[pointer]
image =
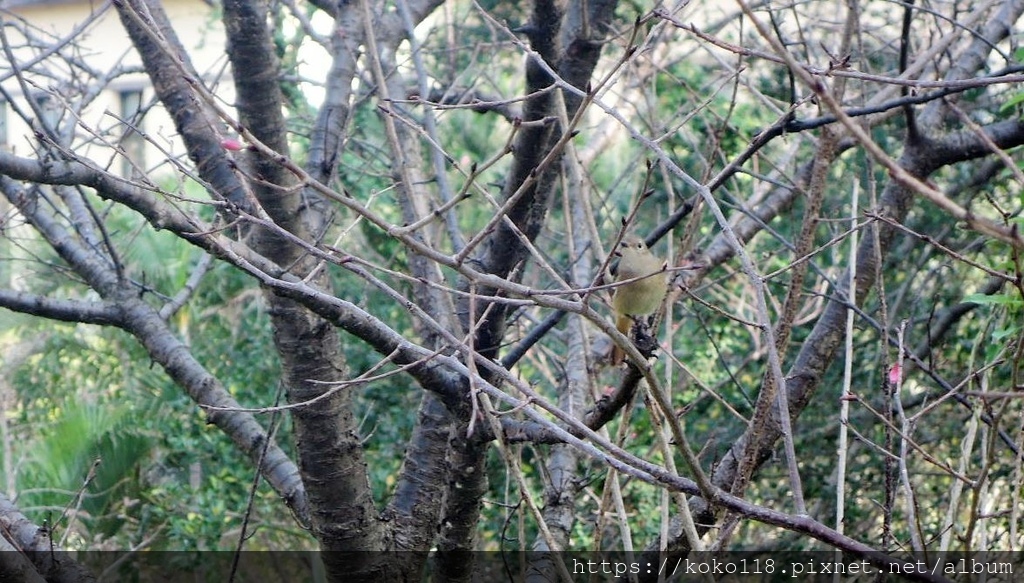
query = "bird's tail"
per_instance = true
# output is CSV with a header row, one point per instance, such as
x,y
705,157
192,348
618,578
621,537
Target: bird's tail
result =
x,y
623,324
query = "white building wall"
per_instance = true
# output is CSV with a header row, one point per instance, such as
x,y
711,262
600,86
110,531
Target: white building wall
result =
x,y
100,46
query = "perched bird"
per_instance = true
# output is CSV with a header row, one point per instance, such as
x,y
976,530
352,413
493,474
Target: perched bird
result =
x,y
640,297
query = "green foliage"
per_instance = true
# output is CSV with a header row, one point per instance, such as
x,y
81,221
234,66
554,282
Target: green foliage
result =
x,y
164,476
170,480
1016,98
92,446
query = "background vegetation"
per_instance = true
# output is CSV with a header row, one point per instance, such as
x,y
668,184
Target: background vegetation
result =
x,y
368,309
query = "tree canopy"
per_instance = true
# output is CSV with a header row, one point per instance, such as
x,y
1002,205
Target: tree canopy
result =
x,y
347,286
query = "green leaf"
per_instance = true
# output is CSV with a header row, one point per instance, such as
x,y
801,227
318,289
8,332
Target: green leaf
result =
x,y
998,299
1012,102
1005,332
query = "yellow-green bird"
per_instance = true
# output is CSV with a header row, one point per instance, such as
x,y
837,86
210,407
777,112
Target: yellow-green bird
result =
x,y
640,297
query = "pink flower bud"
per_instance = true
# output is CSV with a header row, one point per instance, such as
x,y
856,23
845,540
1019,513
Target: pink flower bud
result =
x,y
231,144
895,374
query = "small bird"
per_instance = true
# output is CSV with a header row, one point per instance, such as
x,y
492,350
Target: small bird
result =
x,y
640,297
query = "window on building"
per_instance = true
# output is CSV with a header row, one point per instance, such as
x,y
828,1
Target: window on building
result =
x,y
132,143
5,142
49,109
